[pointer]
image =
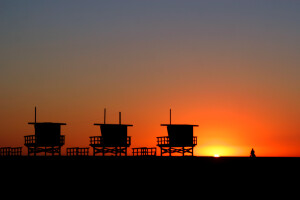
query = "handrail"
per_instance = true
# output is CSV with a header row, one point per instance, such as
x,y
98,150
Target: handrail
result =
x,y
78,151
144,151
99,140
62,140
194,140
165,140
10,151
31,140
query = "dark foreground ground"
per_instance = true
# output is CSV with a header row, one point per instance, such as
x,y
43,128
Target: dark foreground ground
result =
x,y
144,177
180,165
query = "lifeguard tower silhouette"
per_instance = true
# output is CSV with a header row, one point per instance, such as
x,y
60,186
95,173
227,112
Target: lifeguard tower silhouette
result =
x,y
180,139
47,138
113,139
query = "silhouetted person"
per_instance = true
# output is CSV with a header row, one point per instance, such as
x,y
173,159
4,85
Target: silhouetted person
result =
x,y
252,154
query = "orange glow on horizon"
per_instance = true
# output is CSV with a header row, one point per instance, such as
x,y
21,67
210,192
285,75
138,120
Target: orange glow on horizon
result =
x,y
220,132
217,150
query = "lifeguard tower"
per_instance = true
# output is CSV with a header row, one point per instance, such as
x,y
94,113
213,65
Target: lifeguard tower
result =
x,y
180,139
47,138
113,139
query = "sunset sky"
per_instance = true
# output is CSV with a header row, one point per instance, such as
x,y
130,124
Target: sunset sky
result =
x,y
232,67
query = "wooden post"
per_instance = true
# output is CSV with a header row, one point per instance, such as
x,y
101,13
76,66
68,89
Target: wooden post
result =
x,y
35,115
104,115
170,116
119,117
34,118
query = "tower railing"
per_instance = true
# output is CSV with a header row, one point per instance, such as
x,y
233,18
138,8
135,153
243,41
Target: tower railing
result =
x,y
165,141
99,141
30,140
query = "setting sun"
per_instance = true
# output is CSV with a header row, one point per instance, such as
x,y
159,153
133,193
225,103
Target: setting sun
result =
x,y
216,151
216,156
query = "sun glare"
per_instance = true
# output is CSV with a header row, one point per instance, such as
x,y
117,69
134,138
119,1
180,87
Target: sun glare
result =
x,y
217,151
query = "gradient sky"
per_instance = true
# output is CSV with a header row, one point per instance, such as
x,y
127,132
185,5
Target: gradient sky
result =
x,y
232,67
